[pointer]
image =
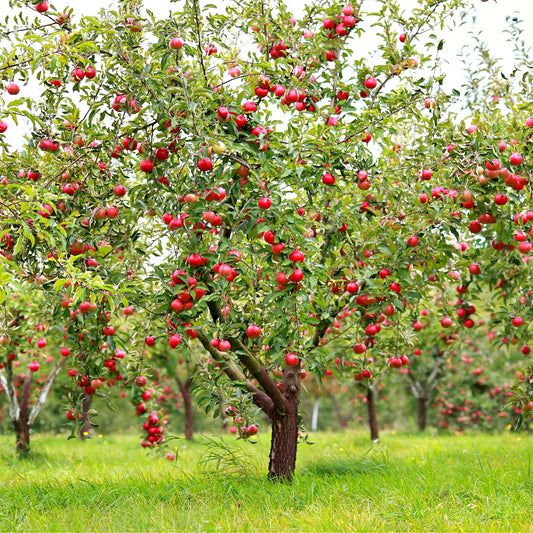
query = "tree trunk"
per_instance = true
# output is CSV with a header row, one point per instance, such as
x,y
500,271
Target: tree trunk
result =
x,y
422,411
372,415
85,431
22,425
22,430
284,440
185,389
314,416
188,411
335,404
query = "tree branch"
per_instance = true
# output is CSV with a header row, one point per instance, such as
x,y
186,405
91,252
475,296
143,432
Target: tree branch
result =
x,y
260,398
252,364
46,389
13,404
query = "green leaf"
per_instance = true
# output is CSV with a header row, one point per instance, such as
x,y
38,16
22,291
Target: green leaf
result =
x,y
18,245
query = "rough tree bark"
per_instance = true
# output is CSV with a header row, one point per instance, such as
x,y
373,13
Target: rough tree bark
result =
x,y
372,414
22,431
185,389
284,442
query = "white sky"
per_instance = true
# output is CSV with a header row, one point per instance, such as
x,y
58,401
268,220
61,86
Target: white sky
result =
x,y
490,23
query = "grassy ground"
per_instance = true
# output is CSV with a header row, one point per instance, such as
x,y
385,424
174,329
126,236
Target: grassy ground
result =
x,y
405,483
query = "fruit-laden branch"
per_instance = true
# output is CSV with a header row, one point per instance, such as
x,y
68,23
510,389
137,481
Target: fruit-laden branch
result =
x,y
253,365
45,390
321,328
7,385
260,398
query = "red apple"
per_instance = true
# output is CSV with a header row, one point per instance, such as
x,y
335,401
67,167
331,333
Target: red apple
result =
x,y
224,346
90,73
253,331
140,381
13,88
474,269
328,179
359,348
42,7
446,322
176,43
174,341
264,203
291,359
78,74
146,165
119,190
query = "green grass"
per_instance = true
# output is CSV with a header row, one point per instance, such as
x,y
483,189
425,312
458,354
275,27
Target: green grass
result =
x,y
343,483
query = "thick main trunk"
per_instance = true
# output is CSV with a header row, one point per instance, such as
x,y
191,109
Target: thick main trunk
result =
x,y
85,431
372,415
22,431
422,412
284,441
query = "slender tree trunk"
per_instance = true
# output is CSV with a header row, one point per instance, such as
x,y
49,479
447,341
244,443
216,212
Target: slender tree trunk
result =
x,y
342,419
188,419
372,415
314,416
22,425
284,441
185,389
422,412
85,431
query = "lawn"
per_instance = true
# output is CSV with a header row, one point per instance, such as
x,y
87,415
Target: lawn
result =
x,y
344,483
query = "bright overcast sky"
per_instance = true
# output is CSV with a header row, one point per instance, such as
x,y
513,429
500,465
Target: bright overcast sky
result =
x,y
490,15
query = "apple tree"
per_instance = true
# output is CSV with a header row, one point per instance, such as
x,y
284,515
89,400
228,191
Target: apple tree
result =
x,y
29,362
241,179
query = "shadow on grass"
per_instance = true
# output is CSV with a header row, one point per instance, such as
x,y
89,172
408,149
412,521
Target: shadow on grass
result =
x,y
371,462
